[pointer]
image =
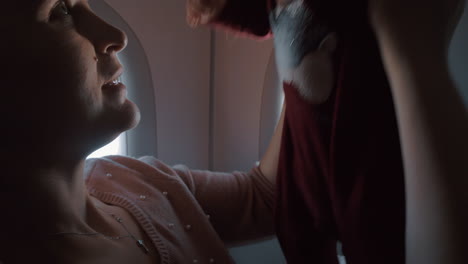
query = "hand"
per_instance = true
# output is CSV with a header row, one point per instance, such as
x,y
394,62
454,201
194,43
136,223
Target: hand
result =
x,y
416,24
200,12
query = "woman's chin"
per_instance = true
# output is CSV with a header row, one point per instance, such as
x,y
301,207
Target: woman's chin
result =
x,y
131,115
118,119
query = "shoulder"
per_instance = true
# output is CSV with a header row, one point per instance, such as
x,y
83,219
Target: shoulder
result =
x,y
142,182
128,170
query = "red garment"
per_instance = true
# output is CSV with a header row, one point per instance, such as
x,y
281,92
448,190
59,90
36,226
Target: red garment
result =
x,y
340,176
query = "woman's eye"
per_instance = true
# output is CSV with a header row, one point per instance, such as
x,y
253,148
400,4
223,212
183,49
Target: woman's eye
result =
x,y
63,8
60,10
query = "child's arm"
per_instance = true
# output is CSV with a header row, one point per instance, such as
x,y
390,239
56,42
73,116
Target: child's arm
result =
x,y
414,37
242,16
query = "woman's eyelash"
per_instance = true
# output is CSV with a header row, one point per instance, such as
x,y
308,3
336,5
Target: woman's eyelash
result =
x,y
59,9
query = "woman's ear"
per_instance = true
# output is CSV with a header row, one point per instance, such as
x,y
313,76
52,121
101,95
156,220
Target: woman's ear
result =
x,y
329,43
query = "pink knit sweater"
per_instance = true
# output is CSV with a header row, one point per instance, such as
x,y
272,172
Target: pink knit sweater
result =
x,y
189,214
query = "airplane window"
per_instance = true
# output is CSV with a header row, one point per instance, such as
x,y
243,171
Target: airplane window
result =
x,y
116,147
459,57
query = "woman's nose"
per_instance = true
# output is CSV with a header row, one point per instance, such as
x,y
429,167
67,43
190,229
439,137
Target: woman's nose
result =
x,y
116,40
107,38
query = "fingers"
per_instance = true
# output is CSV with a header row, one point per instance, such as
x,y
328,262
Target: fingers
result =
x,y
200,12
193,16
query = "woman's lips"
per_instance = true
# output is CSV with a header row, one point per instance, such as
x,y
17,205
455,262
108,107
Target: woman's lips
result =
x,y
114,86
114,82
117,91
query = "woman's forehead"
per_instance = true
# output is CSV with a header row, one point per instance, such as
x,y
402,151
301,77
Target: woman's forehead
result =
x,y
9,7
23,5
20,8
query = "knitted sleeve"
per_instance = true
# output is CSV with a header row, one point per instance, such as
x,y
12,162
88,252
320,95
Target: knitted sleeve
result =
x,y
240,204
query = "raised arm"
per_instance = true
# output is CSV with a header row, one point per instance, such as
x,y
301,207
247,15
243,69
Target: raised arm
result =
x,y
414,37
240,204
269,162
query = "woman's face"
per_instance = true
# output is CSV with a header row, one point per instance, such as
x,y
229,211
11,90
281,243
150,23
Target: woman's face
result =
x,y
57,61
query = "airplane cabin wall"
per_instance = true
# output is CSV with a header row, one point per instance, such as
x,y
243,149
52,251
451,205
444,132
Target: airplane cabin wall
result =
x,y
179,62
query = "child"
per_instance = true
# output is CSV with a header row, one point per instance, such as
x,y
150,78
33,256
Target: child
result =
x,y
340,174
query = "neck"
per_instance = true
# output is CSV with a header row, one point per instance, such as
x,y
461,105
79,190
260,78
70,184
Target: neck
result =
x,y
41,201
